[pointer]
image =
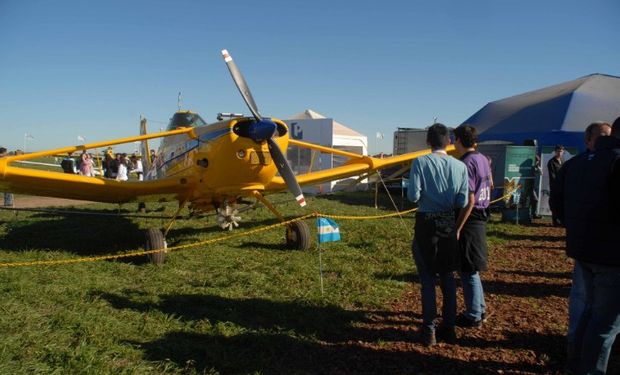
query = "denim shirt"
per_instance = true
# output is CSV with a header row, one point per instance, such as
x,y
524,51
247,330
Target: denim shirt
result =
x,y
438,182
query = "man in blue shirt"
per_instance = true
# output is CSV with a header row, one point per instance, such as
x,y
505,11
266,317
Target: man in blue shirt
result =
x,y
438,182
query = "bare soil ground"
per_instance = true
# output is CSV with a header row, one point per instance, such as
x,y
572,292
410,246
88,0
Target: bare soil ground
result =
x,y
526,290
27,201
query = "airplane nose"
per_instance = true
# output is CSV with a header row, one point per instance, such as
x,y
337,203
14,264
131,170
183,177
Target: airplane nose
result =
x,y
262,130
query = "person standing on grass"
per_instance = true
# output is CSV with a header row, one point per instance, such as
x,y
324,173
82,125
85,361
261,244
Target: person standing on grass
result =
x,y
471,226
68,164
438,183
588,202
553,166
577,296
86,165
8,197
122,169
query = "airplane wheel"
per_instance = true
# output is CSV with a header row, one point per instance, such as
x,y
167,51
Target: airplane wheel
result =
x,y
155,240
298,236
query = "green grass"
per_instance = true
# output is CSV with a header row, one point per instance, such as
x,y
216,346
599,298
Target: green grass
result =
x,y
246,305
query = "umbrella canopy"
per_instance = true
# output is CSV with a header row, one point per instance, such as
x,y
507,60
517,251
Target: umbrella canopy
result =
x,y
556,114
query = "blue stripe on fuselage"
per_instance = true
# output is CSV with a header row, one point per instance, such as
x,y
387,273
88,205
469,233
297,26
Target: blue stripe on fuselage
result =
x,y
190,145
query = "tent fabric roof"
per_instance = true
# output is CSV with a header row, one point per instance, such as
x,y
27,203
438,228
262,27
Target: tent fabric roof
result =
x,y
554,114
339,129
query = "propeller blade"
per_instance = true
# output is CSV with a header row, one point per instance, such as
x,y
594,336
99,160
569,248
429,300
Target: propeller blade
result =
x,y
241,84
286,172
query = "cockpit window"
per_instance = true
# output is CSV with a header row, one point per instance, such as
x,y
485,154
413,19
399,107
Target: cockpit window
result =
x,y
185,120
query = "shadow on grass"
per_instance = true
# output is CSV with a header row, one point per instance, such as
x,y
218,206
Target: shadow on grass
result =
x,y
283,354
251,313
84,233
523,236
257,335
80,235
264,245
404,277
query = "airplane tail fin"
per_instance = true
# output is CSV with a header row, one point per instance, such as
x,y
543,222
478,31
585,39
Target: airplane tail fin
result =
x,y
144,146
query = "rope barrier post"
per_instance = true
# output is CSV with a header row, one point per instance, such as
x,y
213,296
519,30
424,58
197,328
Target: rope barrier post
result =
x,y
320,268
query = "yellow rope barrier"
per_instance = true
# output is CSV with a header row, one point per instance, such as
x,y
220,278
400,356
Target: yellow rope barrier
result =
x,y
206,242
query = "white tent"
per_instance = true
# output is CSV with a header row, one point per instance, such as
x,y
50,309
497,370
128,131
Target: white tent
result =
x,y
311,126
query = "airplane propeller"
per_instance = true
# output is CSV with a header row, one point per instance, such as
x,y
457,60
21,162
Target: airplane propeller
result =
x,y
263,129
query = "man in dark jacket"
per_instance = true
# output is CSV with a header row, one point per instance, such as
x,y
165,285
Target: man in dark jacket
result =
x,y
553,166
586,199
68,164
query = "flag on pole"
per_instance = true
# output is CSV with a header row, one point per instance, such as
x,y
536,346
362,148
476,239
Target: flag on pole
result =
x,y
380,135
28,136
80,138
328,230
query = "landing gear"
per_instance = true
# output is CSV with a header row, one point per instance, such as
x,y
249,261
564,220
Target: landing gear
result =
x,y
298,236
155,240
297,233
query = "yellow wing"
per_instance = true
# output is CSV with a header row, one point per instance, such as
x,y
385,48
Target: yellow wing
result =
x,y
356,165
62,185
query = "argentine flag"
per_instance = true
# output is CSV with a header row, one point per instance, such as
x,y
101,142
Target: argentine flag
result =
x,y
328,230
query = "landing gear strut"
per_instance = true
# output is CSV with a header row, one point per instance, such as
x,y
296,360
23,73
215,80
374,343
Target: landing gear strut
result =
x,y
297,233
156,240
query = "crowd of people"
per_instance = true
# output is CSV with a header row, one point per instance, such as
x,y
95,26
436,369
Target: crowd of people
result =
x,y
114,166
450,236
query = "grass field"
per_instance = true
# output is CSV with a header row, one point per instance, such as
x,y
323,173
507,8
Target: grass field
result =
x,y
247,305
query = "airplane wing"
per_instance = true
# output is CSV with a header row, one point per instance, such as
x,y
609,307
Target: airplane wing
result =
x,y
355,166
63,185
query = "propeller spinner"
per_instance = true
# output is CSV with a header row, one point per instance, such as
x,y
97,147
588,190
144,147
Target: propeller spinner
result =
x,y
263,130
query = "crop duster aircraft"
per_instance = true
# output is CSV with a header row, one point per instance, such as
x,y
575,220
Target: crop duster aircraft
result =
x,y
206,166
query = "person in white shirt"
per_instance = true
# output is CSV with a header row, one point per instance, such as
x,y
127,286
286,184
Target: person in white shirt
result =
x,y
138,169
121,175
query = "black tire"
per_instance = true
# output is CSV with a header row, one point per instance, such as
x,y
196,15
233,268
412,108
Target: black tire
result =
x,y
298,236
155,240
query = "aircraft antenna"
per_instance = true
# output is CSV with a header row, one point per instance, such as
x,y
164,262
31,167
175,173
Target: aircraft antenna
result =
x,y
179,101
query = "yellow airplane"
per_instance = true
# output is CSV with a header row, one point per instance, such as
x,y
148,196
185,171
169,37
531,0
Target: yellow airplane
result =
x,y
206,166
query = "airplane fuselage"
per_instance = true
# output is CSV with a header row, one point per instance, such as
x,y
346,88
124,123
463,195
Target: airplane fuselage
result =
x,y
219,164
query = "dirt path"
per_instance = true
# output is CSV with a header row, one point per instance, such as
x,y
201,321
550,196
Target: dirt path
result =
x,y
28,201
526,292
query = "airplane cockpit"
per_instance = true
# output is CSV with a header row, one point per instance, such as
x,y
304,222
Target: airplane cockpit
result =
x,y
185,119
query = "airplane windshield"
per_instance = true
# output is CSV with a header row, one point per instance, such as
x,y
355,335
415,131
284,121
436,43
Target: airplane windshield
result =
x,y
185,120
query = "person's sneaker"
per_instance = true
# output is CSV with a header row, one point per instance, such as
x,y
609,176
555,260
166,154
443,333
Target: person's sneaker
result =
x,y
466,322
446,334
428,337
484,317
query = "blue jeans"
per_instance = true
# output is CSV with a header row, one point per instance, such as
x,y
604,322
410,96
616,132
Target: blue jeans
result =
x,y
448,291
473,295
576,301
600,321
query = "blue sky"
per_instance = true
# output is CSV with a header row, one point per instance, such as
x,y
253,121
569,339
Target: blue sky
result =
x,y
91,68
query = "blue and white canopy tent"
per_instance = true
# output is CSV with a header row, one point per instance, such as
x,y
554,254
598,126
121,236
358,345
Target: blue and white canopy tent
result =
x,y
556,114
